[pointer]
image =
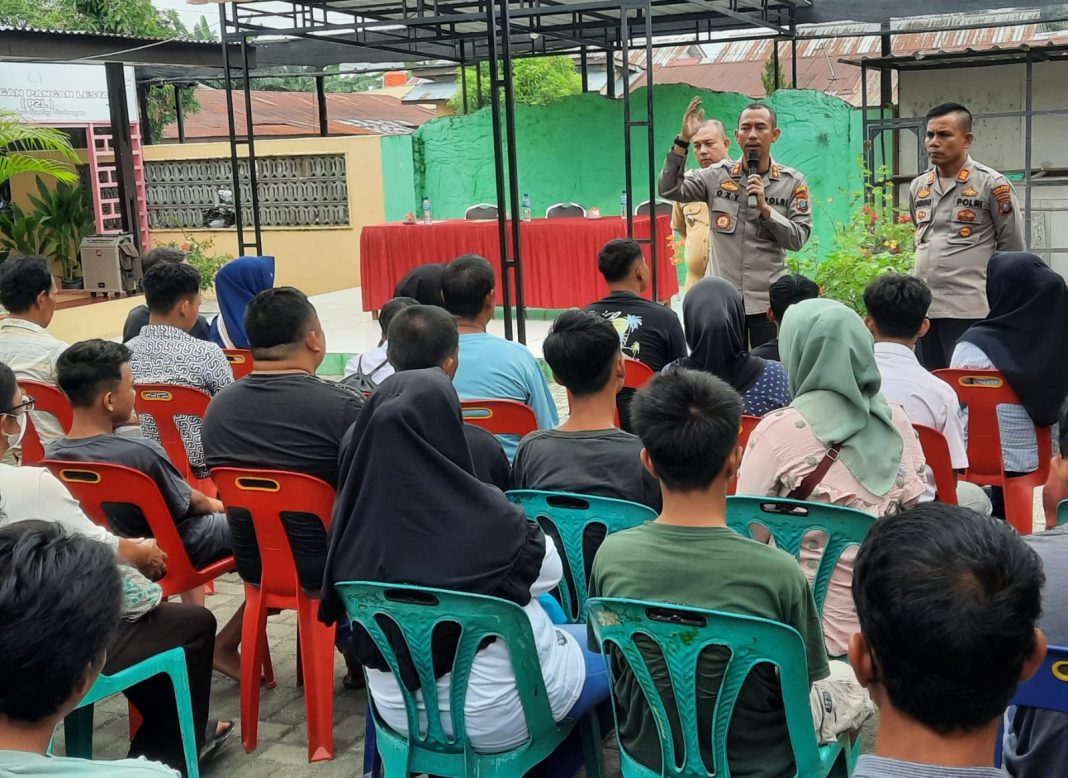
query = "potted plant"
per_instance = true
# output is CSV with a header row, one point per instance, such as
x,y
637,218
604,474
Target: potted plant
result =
x,y
201,255
65,219
21,233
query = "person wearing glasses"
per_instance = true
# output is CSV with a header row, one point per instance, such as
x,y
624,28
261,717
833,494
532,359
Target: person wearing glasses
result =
x,y
148,625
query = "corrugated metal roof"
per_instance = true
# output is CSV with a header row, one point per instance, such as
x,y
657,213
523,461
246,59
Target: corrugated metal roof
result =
x,y
101,34
296,113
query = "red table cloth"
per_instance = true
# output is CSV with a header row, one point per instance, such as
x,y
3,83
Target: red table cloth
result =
x,y
559,256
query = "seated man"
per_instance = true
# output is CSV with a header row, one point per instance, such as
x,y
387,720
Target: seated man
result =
x,y
138,317
688,423
947,631
364,372
28,292
282,417
96,376
781,295
424,336
647,331
1036,740
50,663
166,353
491,368
587,454
897,316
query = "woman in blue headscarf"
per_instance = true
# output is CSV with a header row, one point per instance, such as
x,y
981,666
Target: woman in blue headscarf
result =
x,y
236,283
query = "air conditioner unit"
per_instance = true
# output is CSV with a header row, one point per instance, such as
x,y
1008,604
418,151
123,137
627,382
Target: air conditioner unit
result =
x,y
111,263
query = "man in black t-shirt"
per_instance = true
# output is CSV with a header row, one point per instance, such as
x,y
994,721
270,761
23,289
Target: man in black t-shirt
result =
x,y
281,417
648,331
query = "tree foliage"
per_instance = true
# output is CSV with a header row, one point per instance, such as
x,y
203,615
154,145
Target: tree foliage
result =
x,y
535,81
771,77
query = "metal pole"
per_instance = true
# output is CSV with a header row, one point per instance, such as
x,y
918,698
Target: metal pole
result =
x,y
179,112
513,172
320,102
793,62
142,109
235,167
498,166
478,78
122,145
867,145
463,77
585,70
775,63
624,47
654,246
1027,153
250,125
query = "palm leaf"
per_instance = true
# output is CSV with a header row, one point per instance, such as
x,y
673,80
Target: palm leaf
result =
x,y
14,164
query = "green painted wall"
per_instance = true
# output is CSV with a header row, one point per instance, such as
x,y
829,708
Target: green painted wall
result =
x,y
397,176
573,151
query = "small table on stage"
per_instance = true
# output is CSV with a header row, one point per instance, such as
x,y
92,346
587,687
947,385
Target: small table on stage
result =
x,y
559,256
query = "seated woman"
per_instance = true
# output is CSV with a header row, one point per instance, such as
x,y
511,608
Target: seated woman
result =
x,y
411,510
1023,337
880,468
713,316
148,625
236,283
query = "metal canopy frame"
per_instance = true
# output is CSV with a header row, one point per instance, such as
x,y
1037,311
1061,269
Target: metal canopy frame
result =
x,y
468,32
1020,55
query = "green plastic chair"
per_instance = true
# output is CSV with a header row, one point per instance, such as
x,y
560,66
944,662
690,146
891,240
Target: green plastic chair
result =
x,y
78,725
416,611
1062,513
568,515
682,634
788,521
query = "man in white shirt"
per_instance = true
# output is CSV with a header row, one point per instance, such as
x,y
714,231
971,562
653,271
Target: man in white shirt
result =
x,y
364,372
28,293
897,316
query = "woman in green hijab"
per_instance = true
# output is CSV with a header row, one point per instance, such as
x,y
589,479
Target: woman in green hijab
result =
x,y
829,358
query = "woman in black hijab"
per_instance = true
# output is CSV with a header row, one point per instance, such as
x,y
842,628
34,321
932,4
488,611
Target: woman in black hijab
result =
x,y
713,316
410,510
1025,337
424,284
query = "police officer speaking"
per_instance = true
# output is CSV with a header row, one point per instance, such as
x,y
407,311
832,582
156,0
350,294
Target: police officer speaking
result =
x,y
963,212
758,208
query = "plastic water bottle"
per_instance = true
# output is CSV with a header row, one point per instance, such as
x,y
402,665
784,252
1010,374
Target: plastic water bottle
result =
x,y
525,208
428,217
623,204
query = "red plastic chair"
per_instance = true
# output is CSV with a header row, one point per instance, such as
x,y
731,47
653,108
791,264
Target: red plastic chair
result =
x,y
636,375
240,360
98,484
501,417
982,391
265,495
163,402
936,452
49,399
748,425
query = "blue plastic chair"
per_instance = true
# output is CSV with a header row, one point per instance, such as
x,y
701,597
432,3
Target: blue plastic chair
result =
x,y
682,634
78,725
788,521
416,611
566,516
1046,689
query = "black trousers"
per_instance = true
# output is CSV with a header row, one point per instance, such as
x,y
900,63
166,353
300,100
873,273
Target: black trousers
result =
x,y
935,349
168,626
760,329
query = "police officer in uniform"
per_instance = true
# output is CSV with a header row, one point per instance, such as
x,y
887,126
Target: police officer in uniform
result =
x,y
690,220
749,244
963,212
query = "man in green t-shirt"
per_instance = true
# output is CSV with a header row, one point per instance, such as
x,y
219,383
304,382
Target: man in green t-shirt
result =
x,y
688,423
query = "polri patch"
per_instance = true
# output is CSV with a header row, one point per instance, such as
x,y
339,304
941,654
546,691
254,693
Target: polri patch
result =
x,y
723,222
965,232
730,186
965,216
963,176
970,192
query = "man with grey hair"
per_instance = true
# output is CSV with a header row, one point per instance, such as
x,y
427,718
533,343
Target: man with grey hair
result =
x,y
138,317
690,220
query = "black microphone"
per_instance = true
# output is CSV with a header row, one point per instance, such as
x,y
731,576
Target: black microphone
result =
x,y
753,161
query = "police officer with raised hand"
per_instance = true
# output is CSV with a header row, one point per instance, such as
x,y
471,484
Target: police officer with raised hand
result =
x,y
963,212
759,209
